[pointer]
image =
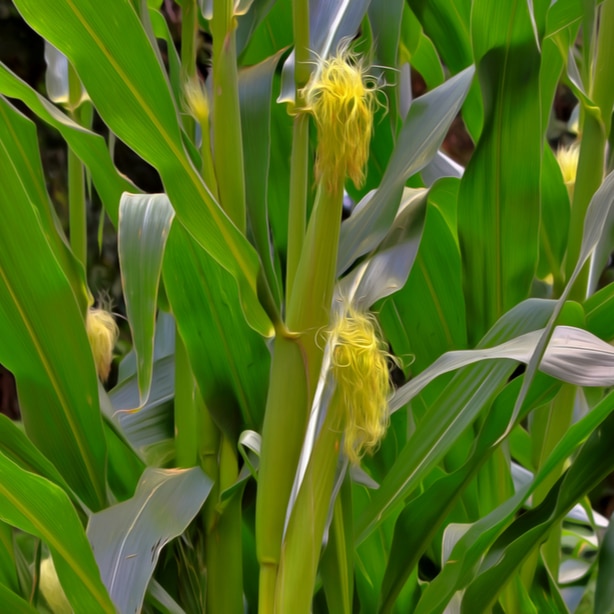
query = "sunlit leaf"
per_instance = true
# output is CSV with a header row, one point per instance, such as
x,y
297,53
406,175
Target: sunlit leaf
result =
x,y
127,538
144,224
126,83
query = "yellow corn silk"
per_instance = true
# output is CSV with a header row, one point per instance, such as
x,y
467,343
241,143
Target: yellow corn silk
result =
x,y
342,99
196,100
568,157
102,333
360,366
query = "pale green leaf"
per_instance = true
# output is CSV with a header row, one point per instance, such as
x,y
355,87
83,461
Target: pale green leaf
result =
x,y
127,538
144,224
426,125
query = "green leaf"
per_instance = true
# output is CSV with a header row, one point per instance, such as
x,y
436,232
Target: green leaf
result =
x,y
124,79
598,308
470,549
498,201
90,147
19,449
426,317
421,52
127,538
229,360
337,563
554,227
44,340
588,468
386,270
385,19
41,508
14,603
472,389
427,122
144,224
604,591
448,26
420,519
18,136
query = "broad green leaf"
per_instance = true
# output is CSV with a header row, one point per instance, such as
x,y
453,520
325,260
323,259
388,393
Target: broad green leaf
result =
x,y
19,449
8,568
588,468
423,131
37,506
554,225
144,224
418,49
448,27
18,136
598,309
470,549
14,603
255,90
124,79
44,341
90,147
371,555
386,20
426,317
572,355
230,362
471,391
249,21
337,566
127,538
594,223
498,201
271,35
420,519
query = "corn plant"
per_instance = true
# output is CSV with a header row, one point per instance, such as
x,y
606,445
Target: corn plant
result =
x,y
403,409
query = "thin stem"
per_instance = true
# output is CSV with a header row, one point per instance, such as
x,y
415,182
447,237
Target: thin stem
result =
x,y
189,37
223,546
227,139
297,216
189,34
77,207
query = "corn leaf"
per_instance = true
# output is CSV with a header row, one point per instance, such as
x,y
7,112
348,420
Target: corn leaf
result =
x,y
127,538
124,79
423,131
44,339
34,505
144,225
